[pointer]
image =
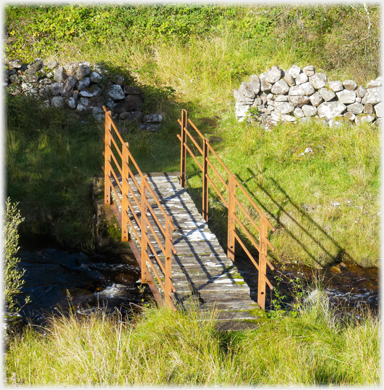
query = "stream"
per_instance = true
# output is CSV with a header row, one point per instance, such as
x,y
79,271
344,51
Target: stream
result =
x,y
55,277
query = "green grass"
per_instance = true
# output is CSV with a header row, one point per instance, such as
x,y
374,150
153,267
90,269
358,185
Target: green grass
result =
x,y
298,192
161,347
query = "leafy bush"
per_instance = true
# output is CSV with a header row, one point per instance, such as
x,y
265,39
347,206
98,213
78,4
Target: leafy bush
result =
x,y
12,274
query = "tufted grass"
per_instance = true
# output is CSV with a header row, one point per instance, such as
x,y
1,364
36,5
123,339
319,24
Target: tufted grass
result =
x,y
325,204
161,347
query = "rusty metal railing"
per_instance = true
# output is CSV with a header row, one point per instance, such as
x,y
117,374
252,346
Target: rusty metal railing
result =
x,y
232,203
117,160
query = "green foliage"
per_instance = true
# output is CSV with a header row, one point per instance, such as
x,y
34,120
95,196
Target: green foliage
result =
x,y
161,347
13,275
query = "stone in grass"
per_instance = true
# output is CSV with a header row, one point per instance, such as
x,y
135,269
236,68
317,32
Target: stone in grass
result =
x,y
241,111
255,83
355,108
84,101
375,83
265,86
319,80
52,64
115,92
309,110
56,88
81,107
95,77
350,85
336,86
298,112
301,79
289,79
309,70
329,110
93,90
246,90
58,102
368,108
360,91
365,118
280,87
316,99
338,121
350,116
71,102
153,118
294,71
298,101
59,74
273,75
150,127
308,88
131,116
327,94
346,96
284,107
372,96
98,113
378,109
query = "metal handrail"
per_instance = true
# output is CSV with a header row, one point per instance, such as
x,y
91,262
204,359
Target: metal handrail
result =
x,y
231,204
144,206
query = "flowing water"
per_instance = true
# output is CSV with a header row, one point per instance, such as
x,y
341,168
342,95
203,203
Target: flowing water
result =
x,y
56,277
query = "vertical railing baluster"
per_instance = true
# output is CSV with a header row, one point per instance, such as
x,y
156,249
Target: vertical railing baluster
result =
x,y
168,261
183,154
144,234
205,180
261,287
231,217
124,182
107,159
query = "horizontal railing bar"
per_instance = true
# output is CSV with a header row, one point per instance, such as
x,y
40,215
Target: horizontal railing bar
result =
x,y
246,250
218,158
196,129
245,230
133,228
113,189
117,164
247,215
159,262
116,179
154,216
193,140
254,205
218,192
218,174
252,259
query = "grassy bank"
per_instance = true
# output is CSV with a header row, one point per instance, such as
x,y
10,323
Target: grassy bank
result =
x,y
161,347
325,204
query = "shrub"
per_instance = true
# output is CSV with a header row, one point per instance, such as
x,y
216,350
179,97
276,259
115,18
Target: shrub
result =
x,y
12,274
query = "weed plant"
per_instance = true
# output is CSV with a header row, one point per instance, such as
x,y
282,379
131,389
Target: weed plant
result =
x,y
162,347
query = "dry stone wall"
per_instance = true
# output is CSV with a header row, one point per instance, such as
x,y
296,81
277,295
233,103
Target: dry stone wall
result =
x,y
300,94
80,86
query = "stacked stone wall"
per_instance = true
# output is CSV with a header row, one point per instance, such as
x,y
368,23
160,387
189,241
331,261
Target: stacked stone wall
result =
x,y
300,94
81,87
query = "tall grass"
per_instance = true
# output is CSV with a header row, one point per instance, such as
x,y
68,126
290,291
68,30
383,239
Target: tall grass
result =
x,y
163,347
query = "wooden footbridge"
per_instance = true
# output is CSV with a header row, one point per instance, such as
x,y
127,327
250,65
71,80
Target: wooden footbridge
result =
x,y
180,258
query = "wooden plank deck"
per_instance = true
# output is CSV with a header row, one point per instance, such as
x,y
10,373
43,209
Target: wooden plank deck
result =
x,y
201,272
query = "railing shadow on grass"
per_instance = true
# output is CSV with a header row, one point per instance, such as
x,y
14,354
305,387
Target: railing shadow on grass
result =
x,y
341,253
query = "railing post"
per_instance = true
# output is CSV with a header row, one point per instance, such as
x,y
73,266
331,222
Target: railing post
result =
x,y
168,262
231,217
107,158
124,206
144,236
205,180
183,152
261,287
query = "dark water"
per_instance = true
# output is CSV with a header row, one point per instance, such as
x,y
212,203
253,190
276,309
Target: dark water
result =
x,y
56,279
